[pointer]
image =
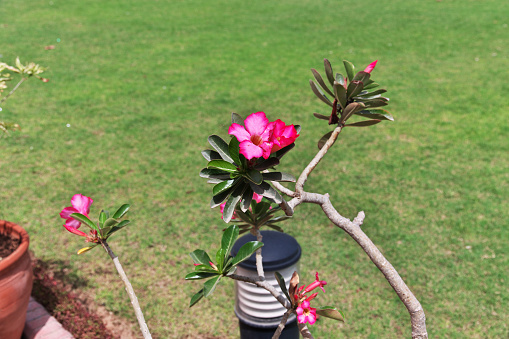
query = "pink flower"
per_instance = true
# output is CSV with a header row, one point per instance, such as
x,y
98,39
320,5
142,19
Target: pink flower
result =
x,y
258,198
371,66
306,313
282,135
80,204
254,138
316,284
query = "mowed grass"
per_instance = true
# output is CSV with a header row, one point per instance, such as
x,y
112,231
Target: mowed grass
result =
x,y
142,85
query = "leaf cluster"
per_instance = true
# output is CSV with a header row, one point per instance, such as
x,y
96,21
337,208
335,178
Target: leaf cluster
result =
x,y
106,226
226,264
349,97
236,178
260,214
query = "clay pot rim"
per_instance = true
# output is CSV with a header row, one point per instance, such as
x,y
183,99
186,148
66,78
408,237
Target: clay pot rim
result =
x,y
8,227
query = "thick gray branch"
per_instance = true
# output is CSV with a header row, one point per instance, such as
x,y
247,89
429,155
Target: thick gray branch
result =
x,y
259,259
282,324
130,292
304,331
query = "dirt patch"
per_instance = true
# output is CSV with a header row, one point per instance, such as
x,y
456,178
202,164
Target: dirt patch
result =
x,y
77,312
7,245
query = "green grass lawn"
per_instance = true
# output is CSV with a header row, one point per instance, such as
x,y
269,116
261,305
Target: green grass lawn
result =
x,y
142,85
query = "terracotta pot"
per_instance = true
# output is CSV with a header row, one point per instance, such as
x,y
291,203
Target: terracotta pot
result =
x,y
15,283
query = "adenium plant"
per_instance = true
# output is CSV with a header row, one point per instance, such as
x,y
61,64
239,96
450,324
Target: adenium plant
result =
x,y
248,188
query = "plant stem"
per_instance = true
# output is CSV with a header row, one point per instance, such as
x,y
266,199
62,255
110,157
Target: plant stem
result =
x,y
282,324
130,292
13,90
266,285
259,259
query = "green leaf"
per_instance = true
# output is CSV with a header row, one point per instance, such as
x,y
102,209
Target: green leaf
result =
x,y
246,251
220,259
234,150
200,275
86,249
379,102
321,116
210,155
368,95
364,123
222,186
231,203
214,174
371,85
121,211
362,77
200,257
219,198
280,218
354,88
278,176
254,176
114,229
282,284
210,285
379,114
320,81
270,162
84,219
102,218
222,165
229,236
237,119
195,298
340,93
330,312
324,139
319,93
340,79
352,108
221,147
328,71
274,227
267,191
350,69
247,197
261,207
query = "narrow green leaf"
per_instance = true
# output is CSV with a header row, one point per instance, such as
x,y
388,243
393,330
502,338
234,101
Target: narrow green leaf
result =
x,y
354,88
371,85
275,227
330,312
352,108
280,218
370,94
222,186
340,93
364,123
279,154
210,285
246,199
221,147
200,275
200,257
219,198
267,191
237,119
220,259
324,139
114,229
195,298
319,93
230,235
210,155
102,218
234,150
85,220
340,78
245,216
379,102
246,251
270,162
320,81
254,176
214,174
231,203
350,69
121,211
278,176
328,71
110,222
261,207
379,114
320,116
222,165
282,284
362,77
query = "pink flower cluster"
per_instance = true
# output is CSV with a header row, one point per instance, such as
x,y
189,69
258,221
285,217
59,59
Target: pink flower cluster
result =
x,y
80,204
306,313
259,137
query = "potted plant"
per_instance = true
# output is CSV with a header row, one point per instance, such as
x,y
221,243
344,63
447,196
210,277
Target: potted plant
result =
x,y
15,279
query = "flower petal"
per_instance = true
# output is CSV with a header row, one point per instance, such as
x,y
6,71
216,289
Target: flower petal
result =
x,y
81,203
75,231
302,319
256,123
66,212
312,318
250,150
239,132
73,223
370,67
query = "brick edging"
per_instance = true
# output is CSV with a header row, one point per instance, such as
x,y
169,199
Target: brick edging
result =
x,y
40,324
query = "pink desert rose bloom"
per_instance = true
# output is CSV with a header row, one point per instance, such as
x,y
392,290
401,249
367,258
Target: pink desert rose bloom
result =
x,y
371,67
282,135
258,198
305,313
316,284
254,137
80,204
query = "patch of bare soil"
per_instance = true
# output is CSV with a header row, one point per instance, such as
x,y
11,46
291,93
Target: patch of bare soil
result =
x,y
7,245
